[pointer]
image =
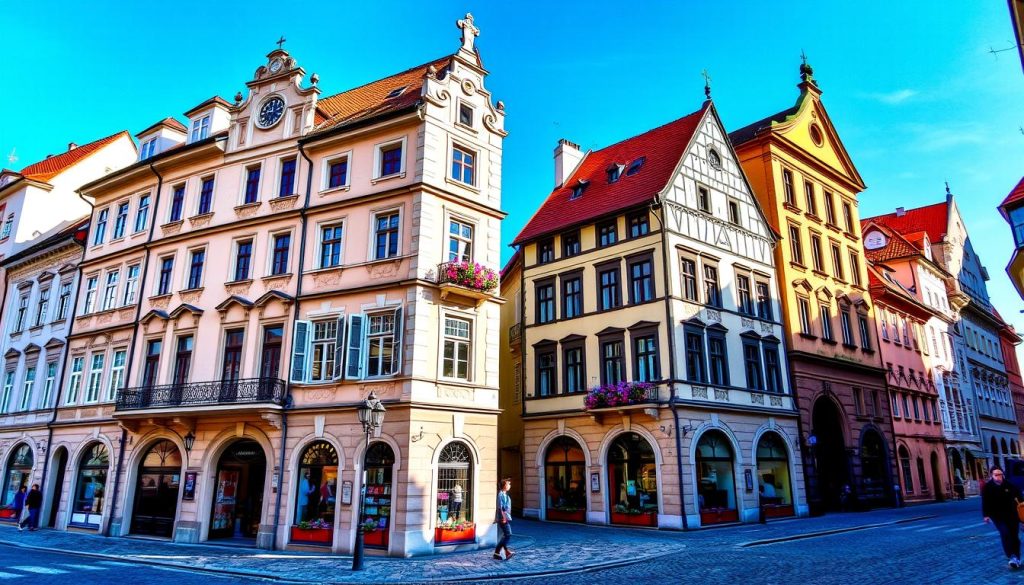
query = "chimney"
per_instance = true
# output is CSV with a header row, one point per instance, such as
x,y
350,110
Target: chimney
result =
x,y
567,158
900,212
72,146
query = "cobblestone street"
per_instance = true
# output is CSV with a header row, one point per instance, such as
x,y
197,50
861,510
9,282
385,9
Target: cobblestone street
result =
x,y
923,544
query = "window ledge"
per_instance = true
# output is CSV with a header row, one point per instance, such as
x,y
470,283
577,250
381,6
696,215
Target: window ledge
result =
x,y
797,265
456,182
808,336
867,351
238,282
833,227
850,236
338,268
790,207
159,297
829,341
285,202
281,276
186,291
200,220
171,224
116,240
466,127
36,329
813,217
333,190
376,180
849,345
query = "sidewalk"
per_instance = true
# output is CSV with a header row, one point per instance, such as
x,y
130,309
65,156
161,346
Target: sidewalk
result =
x,y
542,549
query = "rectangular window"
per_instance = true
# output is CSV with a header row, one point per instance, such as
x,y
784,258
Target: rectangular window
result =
x,y
116,374
844,317
848,217
287,184
243,259
796,251
279,260
546,251
545,303
101,227
895,405
830,208
463,164
110,290
812,204
177,202
646,366
572,297
787,187
206,196
270,355
231,366
734,212
465,114
546,374
5,400
51,379
195,269
826,321
638,225
772,368
574,370
63,301
607,234
455,361
75,380
837,262
337,173
386,235
151,367
613,368
460,241
917,408
718,359
91,285
865,333
323,351
200,129
120,220
391,159
92,391
694,343
142,213
252,185
688,269
330,245
764,302
703,199
26,391
131,285
383,356
183,360
804,308
148,149
745,301
570,244
5,232
752,364
608,282
712,294
42,306
816,258
22,311
164,278
855,268
641,281
858,401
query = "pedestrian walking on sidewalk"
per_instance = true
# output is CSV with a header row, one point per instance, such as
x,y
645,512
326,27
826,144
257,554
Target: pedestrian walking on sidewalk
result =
x,y
34,501
999,506
20,512
503,516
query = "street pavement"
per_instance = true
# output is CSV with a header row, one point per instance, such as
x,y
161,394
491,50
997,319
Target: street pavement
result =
x,y
935,543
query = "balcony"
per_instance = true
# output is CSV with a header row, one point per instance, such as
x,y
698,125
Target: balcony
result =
x,y
218,395
470,281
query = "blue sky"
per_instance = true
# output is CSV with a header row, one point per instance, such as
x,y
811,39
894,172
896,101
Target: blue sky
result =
x,y
911,86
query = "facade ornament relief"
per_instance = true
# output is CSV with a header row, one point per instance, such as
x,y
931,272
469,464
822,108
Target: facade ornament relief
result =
x,y
469,32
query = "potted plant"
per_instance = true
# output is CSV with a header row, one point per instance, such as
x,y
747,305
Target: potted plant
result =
x,y
620,514
312,532
374,535
453,532
567,514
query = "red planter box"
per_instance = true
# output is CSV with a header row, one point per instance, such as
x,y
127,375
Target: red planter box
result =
x,y
649,519
446,536
376,538
778,511
311,536
718,516
7,514
564,516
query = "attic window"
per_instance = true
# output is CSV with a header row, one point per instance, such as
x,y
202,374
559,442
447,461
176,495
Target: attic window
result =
x,y
614,172
396,92
634,166
578,189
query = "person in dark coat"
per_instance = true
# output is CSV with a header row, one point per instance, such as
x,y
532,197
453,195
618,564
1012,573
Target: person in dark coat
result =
x,y
999,506
19,505
34,501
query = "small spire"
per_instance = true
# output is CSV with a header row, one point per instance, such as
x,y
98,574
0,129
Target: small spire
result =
x,y
806,71
707,84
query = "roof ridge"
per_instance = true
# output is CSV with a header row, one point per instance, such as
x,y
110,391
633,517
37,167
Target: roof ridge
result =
x,y
379,79
650,131
77,154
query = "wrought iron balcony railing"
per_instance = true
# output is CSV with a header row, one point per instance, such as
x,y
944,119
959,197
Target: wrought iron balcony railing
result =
x,y
242,391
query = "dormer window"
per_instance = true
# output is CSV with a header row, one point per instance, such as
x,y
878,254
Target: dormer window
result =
x,y
634,167
148,149
578,189
614,172
397,92
200,129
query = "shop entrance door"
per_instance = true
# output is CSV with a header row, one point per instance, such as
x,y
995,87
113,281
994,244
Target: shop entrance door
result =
x,y
238,493
156,491
60,462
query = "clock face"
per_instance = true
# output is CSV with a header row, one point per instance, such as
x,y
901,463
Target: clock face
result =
x,y
270,112
275,65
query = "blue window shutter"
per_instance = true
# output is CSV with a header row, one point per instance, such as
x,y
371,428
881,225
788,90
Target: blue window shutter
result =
x,y
354,365
396,353
300,351
339,348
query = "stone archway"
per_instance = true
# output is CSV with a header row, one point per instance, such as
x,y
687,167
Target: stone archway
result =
x,y
829,456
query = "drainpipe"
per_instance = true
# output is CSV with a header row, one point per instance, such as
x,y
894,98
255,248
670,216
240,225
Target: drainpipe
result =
x,y
657,205
131,344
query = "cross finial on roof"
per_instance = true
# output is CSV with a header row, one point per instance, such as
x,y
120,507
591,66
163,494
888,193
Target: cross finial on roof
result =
x,y
806,71
707,83
469,32
947,188
280,42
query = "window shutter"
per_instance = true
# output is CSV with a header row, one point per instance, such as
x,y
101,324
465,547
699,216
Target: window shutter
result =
x,y
396,353
354,365
300,351
339,349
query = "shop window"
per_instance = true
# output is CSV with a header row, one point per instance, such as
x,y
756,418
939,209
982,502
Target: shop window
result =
x,y
565,481
455,494
156,490
632,481
774,485
19,471
314,514
90,487
380,460
716,480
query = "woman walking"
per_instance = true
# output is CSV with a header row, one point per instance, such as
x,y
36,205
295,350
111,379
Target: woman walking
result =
x,y
503,516
999,506
20,512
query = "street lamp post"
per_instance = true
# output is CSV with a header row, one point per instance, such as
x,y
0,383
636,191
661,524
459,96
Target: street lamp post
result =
x,y
371,415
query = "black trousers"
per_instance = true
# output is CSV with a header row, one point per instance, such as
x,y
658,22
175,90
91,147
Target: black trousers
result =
x,y
1009,534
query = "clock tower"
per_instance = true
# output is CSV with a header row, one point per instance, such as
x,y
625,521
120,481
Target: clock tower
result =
x,y
277,106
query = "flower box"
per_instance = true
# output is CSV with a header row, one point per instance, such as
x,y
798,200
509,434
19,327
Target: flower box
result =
x,y
7,514
557,515
649,519
779,511
454,535
311,535
620,394
718,516
376,538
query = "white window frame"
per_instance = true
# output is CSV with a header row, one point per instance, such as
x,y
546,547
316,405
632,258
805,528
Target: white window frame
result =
x,y
456,340
452,147
368,337
95,380
271,240
244,180
197,130
75,379
27,387
372,251
148,149
8,226
110,289
131,285
89,302
233,264
116,373
378,159
329,357
127,204
325,172
100,235
156,274
51,378
188,270
458,114
446,254
42,306
5,398
21,312
280,171
199,193
320,241
139,208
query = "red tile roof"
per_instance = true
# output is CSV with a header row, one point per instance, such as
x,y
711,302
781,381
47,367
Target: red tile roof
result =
x,y
50,167
166,122
896,246
931,219
1015,195
372,99
662,149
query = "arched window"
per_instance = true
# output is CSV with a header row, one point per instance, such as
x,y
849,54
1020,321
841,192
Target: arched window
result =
x,y
773,475
314,506
908,474
156,491
19,470
380,460
716,480
90,486
633,481
455,485
564,481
